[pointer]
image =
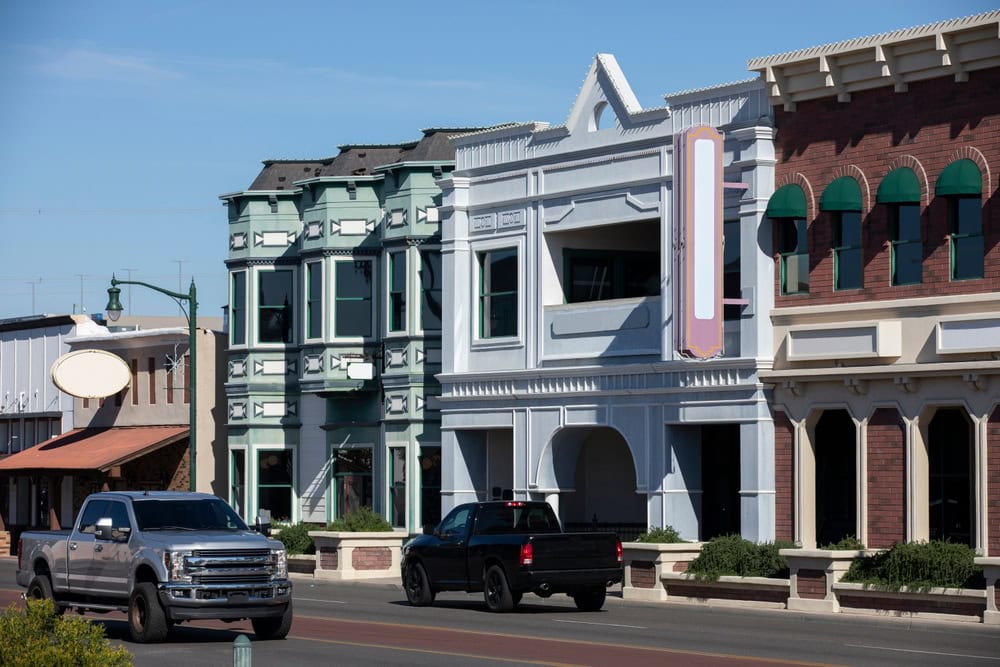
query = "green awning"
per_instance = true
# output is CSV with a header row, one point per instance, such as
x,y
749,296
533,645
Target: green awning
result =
x,y
844,194
900,186
789,201
961,177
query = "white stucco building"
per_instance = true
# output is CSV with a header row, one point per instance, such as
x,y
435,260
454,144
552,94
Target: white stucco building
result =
x,y
590,359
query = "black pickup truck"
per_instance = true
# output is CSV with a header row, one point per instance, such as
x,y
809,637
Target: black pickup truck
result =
x,y
506,549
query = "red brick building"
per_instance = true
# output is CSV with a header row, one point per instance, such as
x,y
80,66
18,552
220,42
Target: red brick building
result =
x,y
886,240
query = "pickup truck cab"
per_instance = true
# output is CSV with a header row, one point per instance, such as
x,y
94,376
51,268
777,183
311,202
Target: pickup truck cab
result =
x,y
162,557
506,549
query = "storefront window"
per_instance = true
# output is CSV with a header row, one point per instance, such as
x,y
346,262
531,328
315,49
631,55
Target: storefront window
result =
x,y
352,480
274,483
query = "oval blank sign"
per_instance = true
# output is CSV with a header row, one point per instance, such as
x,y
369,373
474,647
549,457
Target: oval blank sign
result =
x,y
91,373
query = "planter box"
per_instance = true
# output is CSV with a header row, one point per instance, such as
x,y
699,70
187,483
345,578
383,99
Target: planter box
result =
x,y
348,556
953,604
812,574
302,564
991,572
645,565
730,591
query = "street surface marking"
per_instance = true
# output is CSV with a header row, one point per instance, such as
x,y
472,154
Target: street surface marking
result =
x,y
609,625
318,600
384,647
910,650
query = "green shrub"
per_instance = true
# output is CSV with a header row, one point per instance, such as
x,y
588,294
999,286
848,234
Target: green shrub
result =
x,y
296,538
918,565
665,535
37,636
362,520
731,555
849,543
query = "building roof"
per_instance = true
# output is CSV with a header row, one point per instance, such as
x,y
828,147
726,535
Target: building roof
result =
x,y
955,47
93,448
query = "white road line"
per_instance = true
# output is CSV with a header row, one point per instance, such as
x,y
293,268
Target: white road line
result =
x,y
909,650
315,600
610,625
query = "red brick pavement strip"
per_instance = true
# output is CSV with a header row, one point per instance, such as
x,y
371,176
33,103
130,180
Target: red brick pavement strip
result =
x,y
477,645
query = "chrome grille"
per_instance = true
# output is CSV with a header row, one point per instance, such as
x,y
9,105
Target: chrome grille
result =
x,y
230,578
228,566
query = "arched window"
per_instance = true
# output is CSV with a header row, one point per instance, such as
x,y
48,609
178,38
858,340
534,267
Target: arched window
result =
x,y
900,193
787,207
961,184
842,198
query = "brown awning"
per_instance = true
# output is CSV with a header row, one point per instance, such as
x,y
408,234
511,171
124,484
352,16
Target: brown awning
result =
x,y
93,448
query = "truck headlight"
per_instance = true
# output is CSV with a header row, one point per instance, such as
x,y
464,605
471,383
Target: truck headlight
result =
x,y
279,558
174,561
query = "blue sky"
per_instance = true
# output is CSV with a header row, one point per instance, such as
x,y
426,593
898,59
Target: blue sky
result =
x,y
122,122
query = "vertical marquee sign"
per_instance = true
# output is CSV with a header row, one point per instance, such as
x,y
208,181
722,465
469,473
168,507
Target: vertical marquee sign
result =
x,y
698,221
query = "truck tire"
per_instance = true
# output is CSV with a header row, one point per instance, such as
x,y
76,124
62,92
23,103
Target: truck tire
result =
x,y
418,588
591,599
496,591
40,588
273,627
147,622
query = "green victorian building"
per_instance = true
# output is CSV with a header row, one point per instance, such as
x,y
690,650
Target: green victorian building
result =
x,y
335,334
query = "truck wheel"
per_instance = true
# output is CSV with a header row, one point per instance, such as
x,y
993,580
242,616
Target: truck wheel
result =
x,y
40,588
591,599
496,590
147,622
418,589
273,627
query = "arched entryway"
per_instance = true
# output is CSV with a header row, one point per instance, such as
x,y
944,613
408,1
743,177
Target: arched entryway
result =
x,y
949,476
593,471
835,446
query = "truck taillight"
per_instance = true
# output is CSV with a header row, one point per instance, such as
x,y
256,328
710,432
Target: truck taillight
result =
x,y
527,554
619,550
20,551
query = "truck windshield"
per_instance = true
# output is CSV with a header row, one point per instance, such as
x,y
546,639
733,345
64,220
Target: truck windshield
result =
x,y
189,514
514,518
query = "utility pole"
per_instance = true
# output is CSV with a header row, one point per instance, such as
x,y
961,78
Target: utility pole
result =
x,y
33,283
81,276
180,282
130,290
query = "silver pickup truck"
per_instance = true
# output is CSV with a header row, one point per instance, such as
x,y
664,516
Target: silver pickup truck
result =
x,y
162,557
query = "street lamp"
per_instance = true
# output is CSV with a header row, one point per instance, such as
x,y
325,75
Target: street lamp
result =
x,y
114,309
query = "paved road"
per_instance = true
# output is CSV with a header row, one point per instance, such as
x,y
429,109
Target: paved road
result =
x,y
372,624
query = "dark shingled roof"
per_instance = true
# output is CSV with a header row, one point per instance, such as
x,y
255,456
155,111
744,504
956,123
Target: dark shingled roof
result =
x,y
281,174
361,159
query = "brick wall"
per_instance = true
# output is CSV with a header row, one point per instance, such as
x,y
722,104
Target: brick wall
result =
x,y
643,574
870,135
328,559
886,479
784,477
993,484
703,592
811,584
914,605
371,558
168,464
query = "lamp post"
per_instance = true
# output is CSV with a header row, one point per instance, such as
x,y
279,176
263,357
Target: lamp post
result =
x,y
114,309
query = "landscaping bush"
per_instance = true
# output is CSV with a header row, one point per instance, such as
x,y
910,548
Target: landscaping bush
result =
x,y
296,538
849,543
731,555
36,636
920,566
665,535
362,520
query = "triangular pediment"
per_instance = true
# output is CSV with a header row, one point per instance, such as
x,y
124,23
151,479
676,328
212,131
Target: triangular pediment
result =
x,y
606,100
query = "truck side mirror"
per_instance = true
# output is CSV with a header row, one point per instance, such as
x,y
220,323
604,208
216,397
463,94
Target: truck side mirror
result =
x,y
262,524
104,528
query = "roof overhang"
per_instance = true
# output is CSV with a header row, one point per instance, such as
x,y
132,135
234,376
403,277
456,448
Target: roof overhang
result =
x,y
90,449
956,47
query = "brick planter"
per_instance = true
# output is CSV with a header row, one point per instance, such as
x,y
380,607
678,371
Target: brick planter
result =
x,y
953,604
991,572
302,564
345,555
730,591
812,574
645,564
